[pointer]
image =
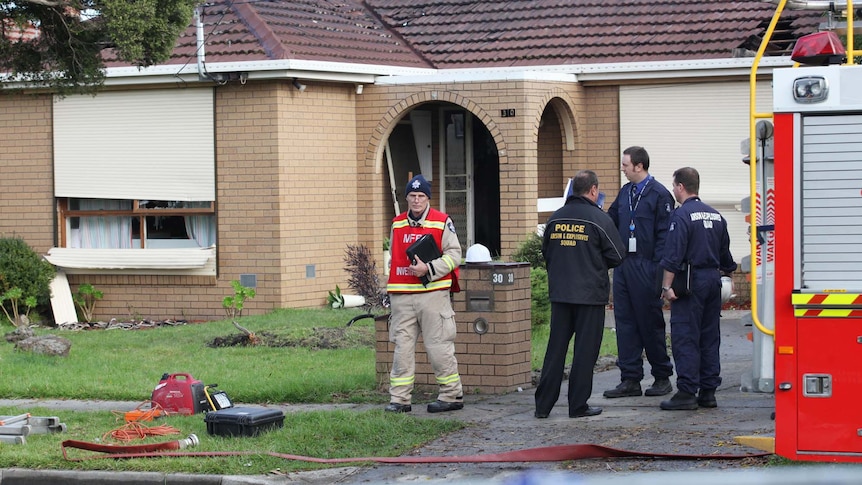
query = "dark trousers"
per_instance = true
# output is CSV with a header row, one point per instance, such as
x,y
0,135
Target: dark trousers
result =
x,y
586,323
639,319
695,333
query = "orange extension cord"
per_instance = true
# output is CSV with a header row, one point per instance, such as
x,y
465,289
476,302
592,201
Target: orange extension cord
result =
x,y
134,430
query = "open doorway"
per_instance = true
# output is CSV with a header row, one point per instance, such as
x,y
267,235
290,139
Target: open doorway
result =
x,y
456,152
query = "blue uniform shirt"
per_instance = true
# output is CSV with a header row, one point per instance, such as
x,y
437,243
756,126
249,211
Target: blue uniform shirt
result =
x,y
651,205
697,234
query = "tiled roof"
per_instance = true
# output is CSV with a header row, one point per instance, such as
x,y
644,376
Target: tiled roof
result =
x,y
460,33
313,30
487,33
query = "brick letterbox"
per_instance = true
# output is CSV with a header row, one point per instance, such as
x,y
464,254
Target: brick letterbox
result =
x,y
492,313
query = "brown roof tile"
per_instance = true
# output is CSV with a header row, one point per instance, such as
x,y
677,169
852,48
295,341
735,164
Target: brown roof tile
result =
x,y
487,33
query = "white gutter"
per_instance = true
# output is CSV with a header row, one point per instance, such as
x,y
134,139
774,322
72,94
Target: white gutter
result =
x,y
279,69
810,4
626,71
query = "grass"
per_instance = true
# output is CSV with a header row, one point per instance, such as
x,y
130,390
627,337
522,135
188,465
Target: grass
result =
x,y
318,360
539,343
126,365
321,434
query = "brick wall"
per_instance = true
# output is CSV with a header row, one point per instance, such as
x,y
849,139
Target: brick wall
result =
x,y
26,180
495,362
289,162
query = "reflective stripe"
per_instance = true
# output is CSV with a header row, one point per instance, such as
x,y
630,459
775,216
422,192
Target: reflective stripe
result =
x,y
450,263
417,287
430,224
826,299
827,312
450,379
401,381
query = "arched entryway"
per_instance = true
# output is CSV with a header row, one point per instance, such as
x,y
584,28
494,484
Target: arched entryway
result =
x,y
457,153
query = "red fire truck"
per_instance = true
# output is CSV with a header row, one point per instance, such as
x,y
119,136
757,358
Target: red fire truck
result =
x,y
814,294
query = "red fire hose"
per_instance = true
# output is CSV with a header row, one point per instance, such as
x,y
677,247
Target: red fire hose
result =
x,y
544,454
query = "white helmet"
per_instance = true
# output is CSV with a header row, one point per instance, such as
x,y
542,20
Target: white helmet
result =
x,y
726,289
478,254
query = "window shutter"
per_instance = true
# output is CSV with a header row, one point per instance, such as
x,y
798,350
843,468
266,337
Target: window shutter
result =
x,y
155,144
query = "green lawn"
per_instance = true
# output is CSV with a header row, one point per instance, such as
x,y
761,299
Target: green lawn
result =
x,y
318,360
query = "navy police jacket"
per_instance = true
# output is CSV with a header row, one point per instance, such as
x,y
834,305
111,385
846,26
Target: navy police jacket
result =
x,y
652,214
698,235
579,245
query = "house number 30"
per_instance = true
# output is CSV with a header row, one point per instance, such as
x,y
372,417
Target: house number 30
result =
x,y
504,278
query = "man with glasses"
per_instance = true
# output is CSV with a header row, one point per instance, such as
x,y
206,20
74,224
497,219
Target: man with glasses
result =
x,y
419,297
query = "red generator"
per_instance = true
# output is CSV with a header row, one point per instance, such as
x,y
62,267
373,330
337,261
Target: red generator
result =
x,y
818,258
180,394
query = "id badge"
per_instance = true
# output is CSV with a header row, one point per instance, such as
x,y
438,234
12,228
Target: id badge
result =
x,y
633,245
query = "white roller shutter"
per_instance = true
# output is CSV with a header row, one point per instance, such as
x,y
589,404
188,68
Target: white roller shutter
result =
x,y
831,228
700,125
156,145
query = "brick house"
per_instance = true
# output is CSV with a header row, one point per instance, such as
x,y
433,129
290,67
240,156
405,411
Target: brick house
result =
x,y
288,130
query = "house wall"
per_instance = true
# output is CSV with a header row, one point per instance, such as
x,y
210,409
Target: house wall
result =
x,y
290,162
517,138
26,183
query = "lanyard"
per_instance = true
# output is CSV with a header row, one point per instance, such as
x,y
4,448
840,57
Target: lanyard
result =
x,y
634,207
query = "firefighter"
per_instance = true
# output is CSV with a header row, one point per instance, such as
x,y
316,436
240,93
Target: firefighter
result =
x,y
641,212
697,236
419,297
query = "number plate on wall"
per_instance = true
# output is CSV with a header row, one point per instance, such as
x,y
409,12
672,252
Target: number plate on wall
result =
x,y
502,277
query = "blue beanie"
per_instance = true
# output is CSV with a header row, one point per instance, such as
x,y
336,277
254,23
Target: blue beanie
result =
x,y
418,184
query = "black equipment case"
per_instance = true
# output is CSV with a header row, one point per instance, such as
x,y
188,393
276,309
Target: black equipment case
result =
x,y
243,421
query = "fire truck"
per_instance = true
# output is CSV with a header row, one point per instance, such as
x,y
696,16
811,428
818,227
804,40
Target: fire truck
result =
x,y
806,210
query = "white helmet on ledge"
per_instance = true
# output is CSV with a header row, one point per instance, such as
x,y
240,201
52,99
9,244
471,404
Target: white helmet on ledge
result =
x,y
478,253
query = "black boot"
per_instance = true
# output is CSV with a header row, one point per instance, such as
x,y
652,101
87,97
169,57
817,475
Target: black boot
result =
x,y
395,407
626,388
681,401
706,398
660,387
439,406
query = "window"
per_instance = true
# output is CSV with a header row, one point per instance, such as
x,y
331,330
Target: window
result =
x,y
126,224
134,181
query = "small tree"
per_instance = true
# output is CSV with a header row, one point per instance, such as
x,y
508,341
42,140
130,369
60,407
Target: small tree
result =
x,y
14,296
85,299
363,276
233,305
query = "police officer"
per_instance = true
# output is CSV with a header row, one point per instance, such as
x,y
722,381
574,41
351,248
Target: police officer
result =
x,y
419,298
641,212
579,245
697,236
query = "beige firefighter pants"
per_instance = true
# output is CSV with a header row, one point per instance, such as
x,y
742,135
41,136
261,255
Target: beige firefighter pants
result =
x,y
431,315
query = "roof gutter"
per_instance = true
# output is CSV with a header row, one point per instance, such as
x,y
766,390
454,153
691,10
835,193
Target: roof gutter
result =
x,y
287,69
284,69
603,72
811,4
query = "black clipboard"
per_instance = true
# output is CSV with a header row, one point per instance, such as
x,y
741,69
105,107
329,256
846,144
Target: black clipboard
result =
x,y
681,285
426,248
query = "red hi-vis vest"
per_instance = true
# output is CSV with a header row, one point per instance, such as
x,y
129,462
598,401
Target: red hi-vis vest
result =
x,y
403,235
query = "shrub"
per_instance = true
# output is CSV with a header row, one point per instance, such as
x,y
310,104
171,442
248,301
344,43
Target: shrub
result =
x,y
85,299
530,251
21,267
540,305
363,278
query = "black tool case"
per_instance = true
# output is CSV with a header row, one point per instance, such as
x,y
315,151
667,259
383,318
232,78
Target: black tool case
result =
x,y
243,421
